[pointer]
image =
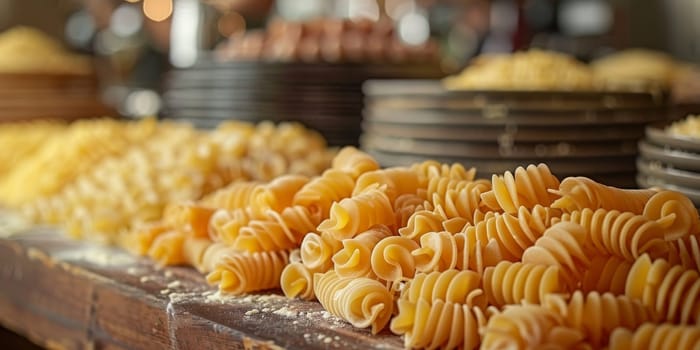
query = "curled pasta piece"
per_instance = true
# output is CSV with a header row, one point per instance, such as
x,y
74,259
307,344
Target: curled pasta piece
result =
x,y
461,202
440,251
244,272
319,193
392,260
429,169
225,225
140,240
361,301
398,181
193,250
167,249
318,250
685,252
674,212
455,286
672,292
189,218
212,254
624,234
581,192
529,327
513,283
405,205
606,274
296,281
276,195
664,336
236,195
435,220
597,315
561,245
280,231
528,187
353,260
438,325
356,214
354,162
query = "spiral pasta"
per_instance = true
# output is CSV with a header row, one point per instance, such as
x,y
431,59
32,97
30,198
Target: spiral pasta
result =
x,y
674,212
578,193
392,260
356,214
190,218
598,315
663,336
624,234
225,225
398,181
354,162
455,286
361,301
279,231
461,202
404,207
672,292
512,283
440,251
528,187
236,195
296,281
166,248
353,260
243,272
429,169
318,250
606,274
529,327
277,194
320,192
685,252
561,245
425,221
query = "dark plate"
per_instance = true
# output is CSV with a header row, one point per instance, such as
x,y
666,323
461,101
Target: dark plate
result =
x,y
670,175
677,159
657,134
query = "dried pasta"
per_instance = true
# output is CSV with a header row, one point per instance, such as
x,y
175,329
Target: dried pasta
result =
x,y
515,282
606,274
356,214
244,272
398,181
279,231
462,201
320,192
404,207
362,301
685,252
317,251
353,260
664,336
453,286
440,251
578,193
296,281
354,162
674,212
392,260
527,187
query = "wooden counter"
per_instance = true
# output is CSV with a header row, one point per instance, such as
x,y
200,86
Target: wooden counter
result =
x,y
67,294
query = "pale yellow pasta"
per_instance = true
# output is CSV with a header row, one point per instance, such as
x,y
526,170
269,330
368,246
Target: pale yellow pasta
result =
x,y
194,249
454,286
624,234
279,231
515,282
672,292
529,327
527,187
167,248
434,220
141,238
354,162
236,195
440,251
674,212
398,181
296,281
317,251
362,301
404,207
212,254
685,252
429,169
578,193
356,214
225,225
561,245
277,194
597,315
320,192
688,126
392,260
606,274
438,325
353,260
189,218
462,201
664,336
243,272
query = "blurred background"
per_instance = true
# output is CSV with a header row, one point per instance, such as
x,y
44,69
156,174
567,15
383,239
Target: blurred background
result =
x,y
134,42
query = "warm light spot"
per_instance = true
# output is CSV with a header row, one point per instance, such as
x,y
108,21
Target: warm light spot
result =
x,y
157,10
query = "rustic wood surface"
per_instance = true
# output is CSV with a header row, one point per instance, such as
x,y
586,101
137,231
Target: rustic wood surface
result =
x,y
66,294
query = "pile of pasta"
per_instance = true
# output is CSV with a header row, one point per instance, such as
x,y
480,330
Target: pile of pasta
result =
x,y
689,127
24,139
175,163
523,260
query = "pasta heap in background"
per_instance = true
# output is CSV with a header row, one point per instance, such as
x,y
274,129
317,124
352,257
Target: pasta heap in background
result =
x,y
98,179
24,140
688,127
448,261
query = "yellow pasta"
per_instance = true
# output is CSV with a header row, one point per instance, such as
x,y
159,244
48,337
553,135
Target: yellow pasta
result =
x,y
620,233
462,201
296,281
244,272
528,187
561,245
672,292
440,251
606,274
529,327
664,336
578,193
225,225
674,212
362,301
212,255
353,260
513,283
320,192
424,221
438,325
279,231
454,286
167,248
392,260
598,315
277,194
685,252
194,250
317,251
398,181
354,162
189,218
356,214
404,207
234,196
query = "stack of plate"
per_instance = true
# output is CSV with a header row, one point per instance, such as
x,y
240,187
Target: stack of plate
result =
x,y
670,161
53,96
590,134
326,97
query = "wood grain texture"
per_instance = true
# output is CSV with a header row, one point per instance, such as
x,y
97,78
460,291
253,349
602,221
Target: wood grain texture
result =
x,y
66,294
